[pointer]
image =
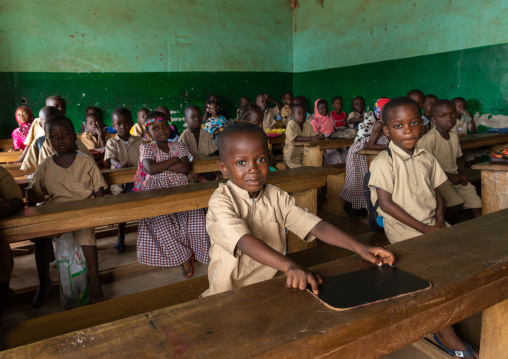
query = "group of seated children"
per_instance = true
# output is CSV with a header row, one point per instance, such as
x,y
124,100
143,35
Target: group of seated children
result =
x,y
416,182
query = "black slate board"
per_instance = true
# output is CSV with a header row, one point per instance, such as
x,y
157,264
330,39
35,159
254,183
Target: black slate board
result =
x,y
367,286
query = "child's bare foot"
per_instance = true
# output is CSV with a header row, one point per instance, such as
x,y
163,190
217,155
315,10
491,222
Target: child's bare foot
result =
x,y
188,268
42,294
96,293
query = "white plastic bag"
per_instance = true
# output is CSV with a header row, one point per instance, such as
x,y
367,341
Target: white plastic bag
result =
x,y
74,291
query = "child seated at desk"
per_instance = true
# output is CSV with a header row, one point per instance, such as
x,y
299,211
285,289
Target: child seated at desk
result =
x,y
405,181
24,118
68,175
298,130
322,123
139,128
11,200
247,218
122,151
286,110
95,136
339,116
269,113
215,122
173,137
355,117
177,238
428,101
444,144
465,122
244,101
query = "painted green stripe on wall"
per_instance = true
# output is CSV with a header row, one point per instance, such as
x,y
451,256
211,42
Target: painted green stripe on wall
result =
x,y
479,75
132,90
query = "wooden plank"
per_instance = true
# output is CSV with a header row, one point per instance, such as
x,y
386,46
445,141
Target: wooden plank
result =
x,y
482,140
276,141
306,199
6,143
10,156
494,180
334,184
265,320
62,217
494,343
430,349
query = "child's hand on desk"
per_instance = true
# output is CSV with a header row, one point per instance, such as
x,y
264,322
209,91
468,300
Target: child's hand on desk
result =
x,y
463,180
318,137
123,164
299,277
454,178
377,255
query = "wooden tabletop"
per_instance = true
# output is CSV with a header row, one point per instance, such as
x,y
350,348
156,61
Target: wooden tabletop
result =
x,y
9,156
6,143
267,320
326,144
487,166
63,217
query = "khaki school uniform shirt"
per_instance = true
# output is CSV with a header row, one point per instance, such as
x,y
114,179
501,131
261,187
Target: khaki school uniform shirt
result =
x,y
117,148
269,117
293,155
91,142
79,181
34,156
35,131
138,130
353,114
410,179
233,214
206,144
286,112
445,151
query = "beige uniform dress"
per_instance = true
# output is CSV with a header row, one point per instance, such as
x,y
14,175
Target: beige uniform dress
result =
x,y
293,155
446,153
206,145
269,117
54,184
411,180
120,150
138,130
36,131
9,190
91,142
34,156
233,214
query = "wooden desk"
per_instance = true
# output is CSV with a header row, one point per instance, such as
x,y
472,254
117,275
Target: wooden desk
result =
x,y
313,150
494,179
6,143
14,169
266,320
276,141
94,212
10,156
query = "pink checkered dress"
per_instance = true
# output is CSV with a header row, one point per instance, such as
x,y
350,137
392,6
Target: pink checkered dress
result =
x,y
356,168
170,240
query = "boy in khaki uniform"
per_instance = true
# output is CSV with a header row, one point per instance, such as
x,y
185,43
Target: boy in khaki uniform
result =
x,y
95,136
199,142
406,186
444,144
298,130
246,220
269,113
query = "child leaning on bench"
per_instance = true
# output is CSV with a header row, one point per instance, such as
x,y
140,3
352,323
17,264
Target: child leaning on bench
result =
x,y
246,220
405,180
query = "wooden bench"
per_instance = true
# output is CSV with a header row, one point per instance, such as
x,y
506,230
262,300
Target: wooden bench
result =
x,y
494,179
63,217
266,320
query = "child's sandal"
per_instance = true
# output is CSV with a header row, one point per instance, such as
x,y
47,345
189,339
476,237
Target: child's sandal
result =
x,y
468,353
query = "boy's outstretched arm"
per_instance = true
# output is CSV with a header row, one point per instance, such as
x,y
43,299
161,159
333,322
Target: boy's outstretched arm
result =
x,y
387,205
334,236
297,276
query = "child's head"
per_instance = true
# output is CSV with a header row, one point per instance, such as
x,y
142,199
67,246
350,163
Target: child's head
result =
x,y
212,97
417,96
244,100
261,102
24,115
299,113
378,107
358,104
444,115
158,126
402,123
244,156
193,117
46,113
93,121
58,102
337,104
122,122
96,110
287,98
460,104
299,100
60,133
428,101
141,115
164,110
213,108
322,107
251,113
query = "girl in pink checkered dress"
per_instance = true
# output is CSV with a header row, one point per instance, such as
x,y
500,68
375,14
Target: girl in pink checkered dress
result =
x,y
171,239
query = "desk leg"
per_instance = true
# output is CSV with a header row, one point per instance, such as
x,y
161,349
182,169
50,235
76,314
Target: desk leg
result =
x,y
494,194
312,156
494,342
306,199
334,202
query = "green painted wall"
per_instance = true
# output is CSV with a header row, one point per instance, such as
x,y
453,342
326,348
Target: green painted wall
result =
x,y
140,53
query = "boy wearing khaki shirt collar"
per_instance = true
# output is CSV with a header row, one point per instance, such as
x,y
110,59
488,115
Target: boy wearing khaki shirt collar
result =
x,y
247,218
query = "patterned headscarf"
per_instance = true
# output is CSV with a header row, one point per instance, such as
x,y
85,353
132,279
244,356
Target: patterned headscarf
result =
x,y
378,106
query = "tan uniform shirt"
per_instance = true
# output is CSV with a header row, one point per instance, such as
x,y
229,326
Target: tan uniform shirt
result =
x,y
445,151
34,156
269,117
117,148
233,214
206,144
91,142
293,155
79,181
286,112
411,180
353,114
36,131
138,130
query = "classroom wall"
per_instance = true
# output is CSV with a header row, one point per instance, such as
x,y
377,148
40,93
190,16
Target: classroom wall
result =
x,y
386,48
143,53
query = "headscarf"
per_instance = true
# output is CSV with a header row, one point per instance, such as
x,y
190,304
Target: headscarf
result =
x,y
19,134
378,106
322,124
